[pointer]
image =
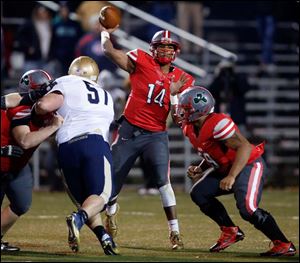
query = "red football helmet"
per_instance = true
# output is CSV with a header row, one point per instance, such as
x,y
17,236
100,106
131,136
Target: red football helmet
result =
x,y
33,79
164,55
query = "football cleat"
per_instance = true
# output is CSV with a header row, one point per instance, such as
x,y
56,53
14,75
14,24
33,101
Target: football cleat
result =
x,y
5,247
176,240
280,249
109,246
229,236
73,237
110,223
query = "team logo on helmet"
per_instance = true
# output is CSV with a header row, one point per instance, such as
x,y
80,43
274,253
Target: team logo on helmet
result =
x,y
200,97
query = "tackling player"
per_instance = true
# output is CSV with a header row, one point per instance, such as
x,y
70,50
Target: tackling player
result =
x,y
84,153
18,127
15,99
238,168
154,85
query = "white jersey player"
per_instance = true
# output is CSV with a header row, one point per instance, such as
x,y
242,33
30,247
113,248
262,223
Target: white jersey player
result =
x,y
84,153
87,108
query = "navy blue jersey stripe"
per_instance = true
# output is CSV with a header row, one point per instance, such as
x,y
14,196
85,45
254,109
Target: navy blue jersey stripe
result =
x,y
106,98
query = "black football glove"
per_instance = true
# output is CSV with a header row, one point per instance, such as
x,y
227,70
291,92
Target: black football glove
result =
x,y
3,103
11,151
32,96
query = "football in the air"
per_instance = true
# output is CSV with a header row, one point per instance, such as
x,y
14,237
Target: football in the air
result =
x,y
109,16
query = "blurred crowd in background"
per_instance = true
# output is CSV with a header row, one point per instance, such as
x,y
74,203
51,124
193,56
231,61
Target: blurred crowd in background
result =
x,y
44,39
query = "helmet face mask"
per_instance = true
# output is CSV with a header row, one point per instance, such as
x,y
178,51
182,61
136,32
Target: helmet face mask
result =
x,y
84,66
164,47
194,103
33,79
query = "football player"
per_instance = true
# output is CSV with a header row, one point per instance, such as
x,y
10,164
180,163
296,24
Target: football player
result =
x,y
23,98
238,168
26,97
155,81
19,128
84,153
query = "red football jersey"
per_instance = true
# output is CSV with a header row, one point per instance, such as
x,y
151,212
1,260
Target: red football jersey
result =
x,y
6,139
218,127
148,104
12,164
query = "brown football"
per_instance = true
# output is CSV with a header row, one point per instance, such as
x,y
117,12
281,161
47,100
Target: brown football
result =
x,y
109,16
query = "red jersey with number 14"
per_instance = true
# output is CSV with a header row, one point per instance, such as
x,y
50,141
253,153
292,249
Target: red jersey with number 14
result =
x,y
216,128
148,104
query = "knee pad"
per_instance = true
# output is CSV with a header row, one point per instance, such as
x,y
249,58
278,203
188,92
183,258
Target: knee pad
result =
x,y
167,195
259,217
19,209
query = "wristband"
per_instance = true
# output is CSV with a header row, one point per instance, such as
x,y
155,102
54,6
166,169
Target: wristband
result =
x,y
174,100
105,34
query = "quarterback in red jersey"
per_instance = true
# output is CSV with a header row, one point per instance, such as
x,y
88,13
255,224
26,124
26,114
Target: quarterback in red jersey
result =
x,y
154,85
236,166
20,128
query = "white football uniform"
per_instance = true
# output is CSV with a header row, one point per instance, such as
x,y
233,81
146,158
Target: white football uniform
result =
x,y
87,108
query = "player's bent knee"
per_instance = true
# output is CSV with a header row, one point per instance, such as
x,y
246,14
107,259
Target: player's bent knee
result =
x,y
245,215
20,209
198,199
167,195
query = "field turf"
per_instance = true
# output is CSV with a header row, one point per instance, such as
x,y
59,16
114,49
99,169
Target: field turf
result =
x,y
42,233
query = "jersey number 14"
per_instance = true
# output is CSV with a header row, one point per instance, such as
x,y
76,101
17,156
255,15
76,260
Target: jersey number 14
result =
x,y
159,98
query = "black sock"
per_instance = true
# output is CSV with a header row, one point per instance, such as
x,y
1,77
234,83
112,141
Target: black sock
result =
x,y
99,232
217,212
83,215
269,226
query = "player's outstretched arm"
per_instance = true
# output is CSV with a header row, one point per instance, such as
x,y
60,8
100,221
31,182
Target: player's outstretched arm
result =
x,y
10,100
119,57
29,98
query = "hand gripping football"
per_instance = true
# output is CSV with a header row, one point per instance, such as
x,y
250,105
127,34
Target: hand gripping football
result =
x,y
109,16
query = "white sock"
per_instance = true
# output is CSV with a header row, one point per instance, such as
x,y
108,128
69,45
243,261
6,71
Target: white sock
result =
x,y
111,209
173,225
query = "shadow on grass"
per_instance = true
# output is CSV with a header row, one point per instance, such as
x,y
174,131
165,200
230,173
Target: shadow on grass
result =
x,y
223,256
188,255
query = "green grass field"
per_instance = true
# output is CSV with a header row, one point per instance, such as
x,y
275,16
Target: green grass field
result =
x,y
143,237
